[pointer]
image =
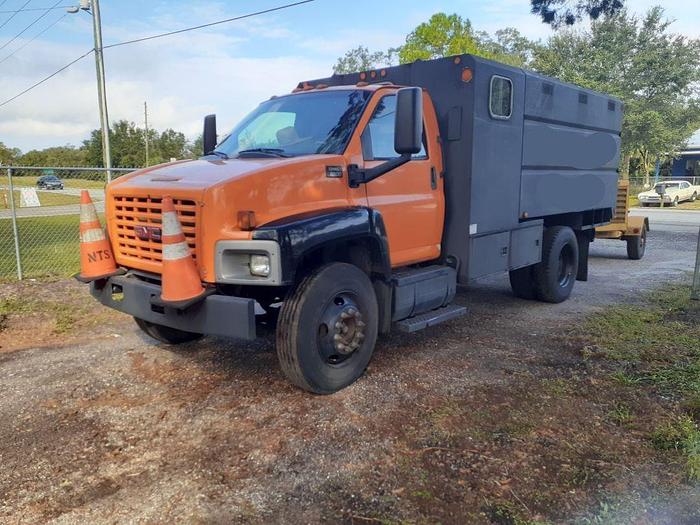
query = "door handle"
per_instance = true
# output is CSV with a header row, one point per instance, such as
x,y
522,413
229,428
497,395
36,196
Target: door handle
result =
x,y
433,178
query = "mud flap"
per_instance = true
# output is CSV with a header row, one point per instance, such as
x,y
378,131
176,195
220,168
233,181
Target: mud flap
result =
x,y
584,239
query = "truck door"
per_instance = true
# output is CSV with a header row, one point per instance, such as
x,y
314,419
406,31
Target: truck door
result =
x,y
410,198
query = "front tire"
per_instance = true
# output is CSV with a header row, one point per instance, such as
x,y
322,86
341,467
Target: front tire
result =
x,y
165,334
694,197
555,275
327,329
675,202
636,246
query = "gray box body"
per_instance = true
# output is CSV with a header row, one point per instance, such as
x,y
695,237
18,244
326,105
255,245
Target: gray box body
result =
x,y
552,161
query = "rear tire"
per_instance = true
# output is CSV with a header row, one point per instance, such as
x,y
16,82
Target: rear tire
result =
x,y
522,281
555,275
636,246
165,334
327,329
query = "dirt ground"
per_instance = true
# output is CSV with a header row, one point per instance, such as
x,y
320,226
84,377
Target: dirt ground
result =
x,y
492,418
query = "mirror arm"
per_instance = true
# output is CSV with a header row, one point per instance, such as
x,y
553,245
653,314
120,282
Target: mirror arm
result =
x,y
357,175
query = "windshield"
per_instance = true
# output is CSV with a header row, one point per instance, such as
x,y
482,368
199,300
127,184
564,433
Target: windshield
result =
x,y
304,124
667,185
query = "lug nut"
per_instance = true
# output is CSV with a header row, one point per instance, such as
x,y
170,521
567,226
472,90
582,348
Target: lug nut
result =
x,y
352,311
337,338
338,325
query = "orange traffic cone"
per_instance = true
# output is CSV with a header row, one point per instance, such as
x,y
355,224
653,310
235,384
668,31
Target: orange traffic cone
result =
x,y
96,258
180,279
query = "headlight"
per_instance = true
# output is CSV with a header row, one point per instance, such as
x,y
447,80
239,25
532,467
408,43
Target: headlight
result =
x,y
260,265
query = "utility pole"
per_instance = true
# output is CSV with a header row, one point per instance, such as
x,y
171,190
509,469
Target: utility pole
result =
x,y
93,6
145,117
101,87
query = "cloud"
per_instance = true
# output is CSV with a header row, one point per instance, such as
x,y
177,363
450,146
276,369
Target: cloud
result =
x,y
182,78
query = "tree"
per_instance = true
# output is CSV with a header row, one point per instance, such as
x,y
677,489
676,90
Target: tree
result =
x,y
442,35
195,148
8,155
655,73
128,143
56,156
568,12
509,47
171,144
361,59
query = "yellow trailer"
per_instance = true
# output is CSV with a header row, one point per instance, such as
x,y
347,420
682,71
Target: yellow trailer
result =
x,y
632,230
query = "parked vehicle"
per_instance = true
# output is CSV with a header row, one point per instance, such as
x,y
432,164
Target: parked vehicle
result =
x,y
49,182
674,192
632,230
360,201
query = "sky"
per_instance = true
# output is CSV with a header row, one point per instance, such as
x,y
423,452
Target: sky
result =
x,y
227,69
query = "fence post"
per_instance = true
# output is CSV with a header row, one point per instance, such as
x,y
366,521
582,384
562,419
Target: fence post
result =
x,y
15,233
695,291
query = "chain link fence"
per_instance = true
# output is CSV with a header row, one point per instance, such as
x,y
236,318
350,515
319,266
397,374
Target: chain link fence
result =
x,y
39,218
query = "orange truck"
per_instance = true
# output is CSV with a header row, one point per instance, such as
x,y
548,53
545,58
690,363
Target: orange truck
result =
x,y
359,202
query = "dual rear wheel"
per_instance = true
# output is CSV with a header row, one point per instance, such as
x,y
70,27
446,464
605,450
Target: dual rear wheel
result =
x,y
553,278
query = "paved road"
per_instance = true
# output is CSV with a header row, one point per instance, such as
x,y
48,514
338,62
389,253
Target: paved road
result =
x,y
669,219
97,196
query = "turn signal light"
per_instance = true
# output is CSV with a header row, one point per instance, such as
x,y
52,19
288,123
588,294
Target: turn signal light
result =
x,y
246,220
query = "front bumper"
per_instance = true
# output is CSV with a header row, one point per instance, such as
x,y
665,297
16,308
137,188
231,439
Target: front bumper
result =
x,y
220,315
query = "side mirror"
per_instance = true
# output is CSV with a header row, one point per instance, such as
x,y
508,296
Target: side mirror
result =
x,y
408,133
209,134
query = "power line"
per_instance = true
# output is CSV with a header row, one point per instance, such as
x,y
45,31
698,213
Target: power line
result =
x,y
14,14
249,15
30,25
33,8
34,37
69,64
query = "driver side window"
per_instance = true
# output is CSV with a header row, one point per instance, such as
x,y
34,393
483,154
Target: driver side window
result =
x,y
378,137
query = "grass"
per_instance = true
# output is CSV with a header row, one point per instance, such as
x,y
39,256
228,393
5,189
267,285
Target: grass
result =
x,y
49,246
46,198
64,318
681,434
657,345
68,183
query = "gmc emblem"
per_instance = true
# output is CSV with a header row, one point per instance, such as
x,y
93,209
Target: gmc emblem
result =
x,y
147,233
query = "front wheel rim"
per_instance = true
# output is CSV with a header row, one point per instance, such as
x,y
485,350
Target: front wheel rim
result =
x,y
341,329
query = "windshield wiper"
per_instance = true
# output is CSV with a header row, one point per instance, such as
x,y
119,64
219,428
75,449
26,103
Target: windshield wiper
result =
x,y
266,152
220,154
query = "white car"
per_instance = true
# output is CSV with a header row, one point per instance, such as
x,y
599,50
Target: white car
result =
x,y
674,192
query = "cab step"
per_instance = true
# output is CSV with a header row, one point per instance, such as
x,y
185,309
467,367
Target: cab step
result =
x,y
431,318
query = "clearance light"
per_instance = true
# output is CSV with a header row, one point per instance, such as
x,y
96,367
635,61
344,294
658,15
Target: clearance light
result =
x,y
246,220
467,74
260,265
